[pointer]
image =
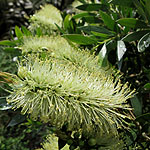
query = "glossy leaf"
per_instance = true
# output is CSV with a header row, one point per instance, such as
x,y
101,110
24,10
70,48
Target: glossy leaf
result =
x,y
137,105
135,36
80,39
108,21
4,105
103,58
91,7
144,42
132,23
121,49
16,120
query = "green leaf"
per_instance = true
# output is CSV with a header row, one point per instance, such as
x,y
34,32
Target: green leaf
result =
x,y
132,23
80,15
143,118
18,32
60,30
147,86
90,28
10,49
39,32
26,31
123,3
108,21
91,19
16,120
135,36
80,39
66,22
144,42
92,7
140,9
7,43
4,105
147,4
137,105
100,34
103,58
121,49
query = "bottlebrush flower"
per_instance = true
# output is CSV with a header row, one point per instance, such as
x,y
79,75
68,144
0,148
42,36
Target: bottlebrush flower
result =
x,y
60,94
45,19
56,47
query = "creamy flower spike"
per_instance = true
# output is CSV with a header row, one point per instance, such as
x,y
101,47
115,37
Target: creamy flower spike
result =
x,y
60,94
46,19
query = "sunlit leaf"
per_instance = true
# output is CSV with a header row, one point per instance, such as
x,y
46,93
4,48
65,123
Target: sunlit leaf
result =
x,y
144,42
121,49
18,32
103,58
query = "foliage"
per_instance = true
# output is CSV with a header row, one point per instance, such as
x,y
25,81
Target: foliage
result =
x,y
116,39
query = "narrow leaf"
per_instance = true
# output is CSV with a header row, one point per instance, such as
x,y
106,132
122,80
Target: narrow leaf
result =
x,y
140,9
147,4
135,36
16,120
137,105
132,23
91,19
80,15
90,28
143,118
26,31
80,39
18,32
92,7
123,3
7,43
144,42
100,34
108,21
